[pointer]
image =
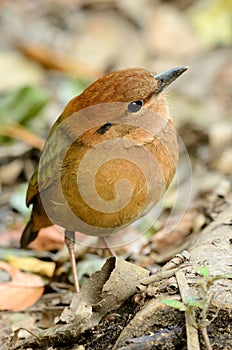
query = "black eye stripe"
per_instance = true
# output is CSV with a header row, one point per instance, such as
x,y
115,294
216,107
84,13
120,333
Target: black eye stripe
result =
x,y
104,128
134,106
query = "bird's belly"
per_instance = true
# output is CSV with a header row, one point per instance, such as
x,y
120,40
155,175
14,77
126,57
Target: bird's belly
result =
x,y
118,193
100,189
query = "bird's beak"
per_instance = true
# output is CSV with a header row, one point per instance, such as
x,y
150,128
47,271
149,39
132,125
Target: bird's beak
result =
x,y
168,76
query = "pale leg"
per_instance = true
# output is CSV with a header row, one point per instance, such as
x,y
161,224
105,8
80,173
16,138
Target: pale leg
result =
x,y
70,243
110,250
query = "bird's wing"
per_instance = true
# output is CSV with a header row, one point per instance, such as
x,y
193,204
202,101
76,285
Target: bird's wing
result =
x,y
49,167
32,190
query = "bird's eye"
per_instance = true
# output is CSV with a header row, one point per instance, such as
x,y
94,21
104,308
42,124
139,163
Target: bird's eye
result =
x,y
135,106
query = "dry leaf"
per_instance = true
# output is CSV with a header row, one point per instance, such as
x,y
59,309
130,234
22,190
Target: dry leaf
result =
x,y
105,291
22,291
31,264
49,238
163,240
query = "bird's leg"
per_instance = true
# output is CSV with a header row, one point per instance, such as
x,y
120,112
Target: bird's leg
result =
x,y
110,250
70,243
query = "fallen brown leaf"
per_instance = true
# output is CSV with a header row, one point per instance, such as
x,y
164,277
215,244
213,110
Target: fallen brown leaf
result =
x,y
49,238
163,240
104,291
22,291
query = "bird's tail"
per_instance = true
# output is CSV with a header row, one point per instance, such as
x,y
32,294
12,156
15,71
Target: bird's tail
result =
x,y
28,235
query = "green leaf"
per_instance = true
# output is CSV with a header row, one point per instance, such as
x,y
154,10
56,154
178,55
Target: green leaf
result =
x,y
193,302
202,270
175,304
22,105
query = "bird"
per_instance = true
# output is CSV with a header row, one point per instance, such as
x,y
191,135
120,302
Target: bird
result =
x,y
107,160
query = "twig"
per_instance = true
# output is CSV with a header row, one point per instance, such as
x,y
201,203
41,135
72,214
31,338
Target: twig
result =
x,y
20,133
191,331
206,337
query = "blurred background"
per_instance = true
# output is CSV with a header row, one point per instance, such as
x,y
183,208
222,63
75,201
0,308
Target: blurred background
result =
x,y
50,50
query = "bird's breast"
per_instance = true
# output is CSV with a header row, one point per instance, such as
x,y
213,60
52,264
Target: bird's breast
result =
x,y
108,180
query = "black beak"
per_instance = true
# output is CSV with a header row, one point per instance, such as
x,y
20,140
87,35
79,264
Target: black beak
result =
x,y
168,76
